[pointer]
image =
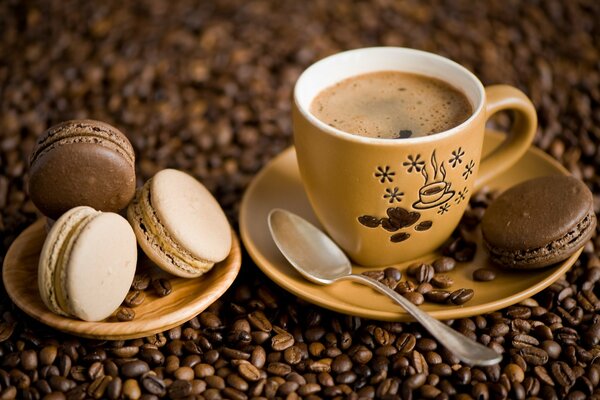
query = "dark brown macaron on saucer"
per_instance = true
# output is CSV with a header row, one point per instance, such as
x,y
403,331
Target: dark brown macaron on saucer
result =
x,y
82,162
539,222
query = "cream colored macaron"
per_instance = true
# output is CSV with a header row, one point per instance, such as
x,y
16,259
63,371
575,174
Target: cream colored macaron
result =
x,y
87,264
179,224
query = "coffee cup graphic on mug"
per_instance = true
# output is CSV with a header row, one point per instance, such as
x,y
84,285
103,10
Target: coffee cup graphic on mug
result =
x,y
386,201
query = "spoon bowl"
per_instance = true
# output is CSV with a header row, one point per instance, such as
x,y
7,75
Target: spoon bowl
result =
x,y
317,258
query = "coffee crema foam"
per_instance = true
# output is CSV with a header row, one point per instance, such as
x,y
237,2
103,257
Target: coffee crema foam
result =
x,y
391,105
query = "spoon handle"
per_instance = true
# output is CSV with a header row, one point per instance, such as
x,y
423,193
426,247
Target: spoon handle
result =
x,y
467,350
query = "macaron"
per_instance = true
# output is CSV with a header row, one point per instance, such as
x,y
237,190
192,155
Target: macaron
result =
x,y
81,163
539,222
179,224
87,264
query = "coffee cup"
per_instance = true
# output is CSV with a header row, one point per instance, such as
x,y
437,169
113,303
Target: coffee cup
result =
x,y
387,201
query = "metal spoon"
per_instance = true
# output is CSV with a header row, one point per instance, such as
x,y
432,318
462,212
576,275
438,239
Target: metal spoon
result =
x,y
321,261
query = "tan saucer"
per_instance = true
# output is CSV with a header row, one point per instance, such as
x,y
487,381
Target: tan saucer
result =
x,y
156,314
278,185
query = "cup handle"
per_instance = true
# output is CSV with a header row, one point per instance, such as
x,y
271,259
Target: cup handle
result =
x,y
520,136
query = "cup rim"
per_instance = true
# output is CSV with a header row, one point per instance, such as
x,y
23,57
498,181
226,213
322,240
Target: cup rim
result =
x,y
384,141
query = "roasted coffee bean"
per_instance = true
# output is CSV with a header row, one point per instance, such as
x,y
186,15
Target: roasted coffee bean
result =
x,y
154,385
134,298
114,388
140,281
180,389
484,275
393,273
125,314
424,287
563,374
405,287
442,281
282,341
461,296
424,273
133,369
414,297
162,287
444,264
534,355
259,321
437,296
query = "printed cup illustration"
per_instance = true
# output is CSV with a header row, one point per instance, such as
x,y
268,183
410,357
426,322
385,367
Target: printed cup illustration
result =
x,y
436,192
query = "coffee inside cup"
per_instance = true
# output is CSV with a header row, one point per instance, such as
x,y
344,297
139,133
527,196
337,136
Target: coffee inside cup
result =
x,y
392,105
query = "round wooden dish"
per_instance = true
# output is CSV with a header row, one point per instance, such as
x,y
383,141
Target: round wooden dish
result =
x,y
156,314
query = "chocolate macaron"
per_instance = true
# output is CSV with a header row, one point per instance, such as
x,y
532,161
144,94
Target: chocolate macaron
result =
x,y
82,163
539,222
87,264
179,224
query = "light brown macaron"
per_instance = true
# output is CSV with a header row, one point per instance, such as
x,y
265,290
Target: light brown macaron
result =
x,y
87,264
179,224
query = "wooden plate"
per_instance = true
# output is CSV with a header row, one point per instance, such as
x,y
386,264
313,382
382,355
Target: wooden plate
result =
x,y
156,314
278,185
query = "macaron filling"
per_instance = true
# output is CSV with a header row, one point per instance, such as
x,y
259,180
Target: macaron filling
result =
x,y
52,272
570,239
60,274
159,238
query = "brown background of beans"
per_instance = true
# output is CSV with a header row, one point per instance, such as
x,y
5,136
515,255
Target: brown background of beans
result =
x,y
205,87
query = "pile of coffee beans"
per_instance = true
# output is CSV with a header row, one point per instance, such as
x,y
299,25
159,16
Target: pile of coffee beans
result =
x,y
205,87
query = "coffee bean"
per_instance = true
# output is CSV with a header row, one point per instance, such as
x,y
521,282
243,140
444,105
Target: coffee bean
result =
x,y
552,348
133,369
437,296
249,372
259,321
154,385
125,314
424,287
424,273
162,287
395,274
140,281
204,370
484,275
442,281
563,374
444,264
134,298
97,388
461,296
114,388
282,341
180,389
405,287
414,297
521,340
534,355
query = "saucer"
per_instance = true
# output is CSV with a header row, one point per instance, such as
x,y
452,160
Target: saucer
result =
x,y
156,314
278,185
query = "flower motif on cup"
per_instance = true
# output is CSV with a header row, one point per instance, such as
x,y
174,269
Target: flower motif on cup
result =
x,y
461,195
414,163
384,174
393,195
444,209
468,170
456,158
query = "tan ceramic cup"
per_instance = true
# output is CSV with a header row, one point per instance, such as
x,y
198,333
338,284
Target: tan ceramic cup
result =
x,y
386,201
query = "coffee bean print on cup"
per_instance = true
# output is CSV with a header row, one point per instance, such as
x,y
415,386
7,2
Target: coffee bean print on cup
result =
x,y
435,193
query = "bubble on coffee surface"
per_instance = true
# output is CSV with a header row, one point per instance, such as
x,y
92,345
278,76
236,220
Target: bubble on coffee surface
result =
x,y
391,105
